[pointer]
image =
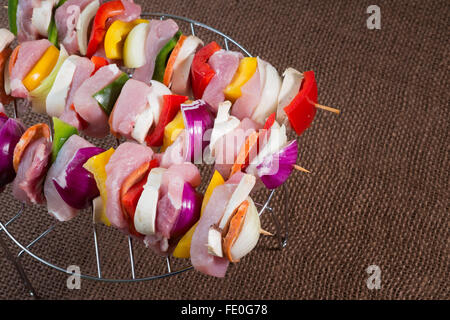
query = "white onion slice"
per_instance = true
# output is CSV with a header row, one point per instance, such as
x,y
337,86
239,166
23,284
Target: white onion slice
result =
x,y
155,98
292,81
42,15
56,98
145,215
134,46
215,242
6,37
223,124
249,235
83,23
270,91
144,122
38,96
182,66
239,195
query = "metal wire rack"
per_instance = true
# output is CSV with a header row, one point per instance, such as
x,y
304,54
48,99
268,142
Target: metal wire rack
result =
x,y
281,232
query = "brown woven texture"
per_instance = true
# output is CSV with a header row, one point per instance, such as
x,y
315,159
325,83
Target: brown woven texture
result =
x,y
378,192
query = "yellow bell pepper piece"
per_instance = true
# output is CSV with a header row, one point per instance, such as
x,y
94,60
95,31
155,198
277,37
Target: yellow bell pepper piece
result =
x,y
247,68
116,35
216,181
172,131
96,166
183,249
41,69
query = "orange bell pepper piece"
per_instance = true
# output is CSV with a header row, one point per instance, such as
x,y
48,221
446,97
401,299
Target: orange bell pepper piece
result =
x,y
31,134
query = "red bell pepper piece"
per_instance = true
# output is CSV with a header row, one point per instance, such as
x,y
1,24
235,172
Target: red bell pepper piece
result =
x,y
99,62
201,71
106,11
129,203
301,111
171,106
4,98
270,121
131,199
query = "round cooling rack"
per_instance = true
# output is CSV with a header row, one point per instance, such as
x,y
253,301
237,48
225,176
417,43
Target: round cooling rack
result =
x,y
281,232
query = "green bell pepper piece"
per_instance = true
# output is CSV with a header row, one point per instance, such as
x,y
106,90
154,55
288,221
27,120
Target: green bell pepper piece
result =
x,y
12,15
163,57
53,33
52,30
107,97
62,132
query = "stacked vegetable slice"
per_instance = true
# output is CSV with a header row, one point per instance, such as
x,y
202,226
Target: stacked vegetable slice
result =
x,y
185,103
10,133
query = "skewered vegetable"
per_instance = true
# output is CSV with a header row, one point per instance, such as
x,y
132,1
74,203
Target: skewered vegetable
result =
x,y
170,109
201,71
80,187
197,120
107,97
116,35
152,196
10,134
61,132
105,11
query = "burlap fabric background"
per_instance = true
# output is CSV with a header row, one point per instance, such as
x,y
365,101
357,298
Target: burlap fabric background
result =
x,y
378,192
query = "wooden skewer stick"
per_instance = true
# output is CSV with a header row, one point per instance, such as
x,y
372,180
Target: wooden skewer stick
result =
x,y
265,233
296,167
319,106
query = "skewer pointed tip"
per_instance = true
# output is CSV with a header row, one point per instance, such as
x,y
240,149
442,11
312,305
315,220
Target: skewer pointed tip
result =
x,y
297,167
265,233
334,110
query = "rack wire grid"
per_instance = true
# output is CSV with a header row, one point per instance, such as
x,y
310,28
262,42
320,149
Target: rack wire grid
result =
x,y
281,228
